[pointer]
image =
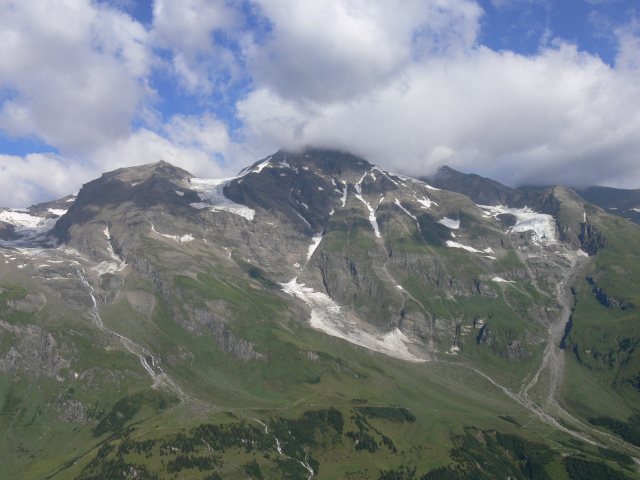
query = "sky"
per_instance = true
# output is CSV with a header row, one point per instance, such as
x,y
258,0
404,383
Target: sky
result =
x,y
533,92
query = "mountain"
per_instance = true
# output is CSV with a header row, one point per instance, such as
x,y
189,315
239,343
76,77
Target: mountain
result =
x,y
617,201
317,316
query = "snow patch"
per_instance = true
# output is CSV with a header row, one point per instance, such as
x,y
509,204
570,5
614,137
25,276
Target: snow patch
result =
x,y
635,210
180,193
31,228
328,317
386,175
320,188
21,219
426,203
264,164
303,219
211,193
284,163
372,215
57,211
178,238
542,225
312,248
453,244
358,186
501,280
397,202
450,223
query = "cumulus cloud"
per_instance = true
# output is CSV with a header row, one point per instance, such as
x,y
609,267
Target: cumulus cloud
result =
x,y
186,29
37,177
340,49
196,144
559,116
408,87
73,73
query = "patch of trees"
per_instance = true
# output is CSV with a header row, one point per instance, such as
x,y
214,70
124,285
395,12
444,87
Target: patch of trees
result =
x,y
295,434
253,470
478,456
186,462
581,469
628,431
239,434
125,409
403,473
394,414
116,469
291,469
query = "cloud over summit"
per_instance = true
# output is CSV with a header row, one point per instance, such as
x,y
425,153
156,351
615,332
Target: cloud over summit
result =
x,y
215,85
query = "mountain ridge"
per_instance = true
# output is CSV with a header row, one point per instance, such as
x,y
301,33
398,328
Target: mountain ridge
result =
x,y
312,281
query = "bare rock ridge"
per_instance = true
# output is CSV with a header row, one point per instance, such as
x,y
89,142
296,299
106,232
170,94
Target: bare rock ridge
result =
x,y
617,201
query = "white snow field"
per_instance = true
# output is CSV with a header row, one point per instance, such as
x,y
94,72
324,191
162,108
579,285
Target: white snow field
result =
x,y
450,223
110,267
31,228
178,238
372,215
328,317
210,191
317,238
542,225
452,244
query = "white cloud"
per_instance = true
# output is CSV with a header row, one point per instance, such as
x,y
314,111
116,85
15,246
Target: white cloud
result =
x,y
560,116
186,28
191,143
37,177
406,86
75,72
337,49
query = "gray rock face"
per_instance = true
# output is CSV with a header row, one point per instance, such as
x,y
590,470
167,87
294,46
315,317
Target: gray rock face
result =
x,y
33,302
34,350
227,341
384,250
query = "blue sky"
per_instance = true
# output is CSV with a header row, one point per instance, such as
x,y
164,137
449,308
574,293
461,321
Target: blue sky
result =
x,y
523,91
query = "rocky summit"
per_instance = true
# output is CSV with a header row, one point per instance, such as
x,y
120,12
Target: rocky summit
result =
x,y
318,317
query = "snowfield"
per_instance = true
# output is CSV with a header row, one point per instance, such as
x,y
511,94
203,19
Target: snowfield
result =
x,y
31,227
312,248
542,225
450,223
426,203
210,191
452,244
501,280
178,238
328,317
372,215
